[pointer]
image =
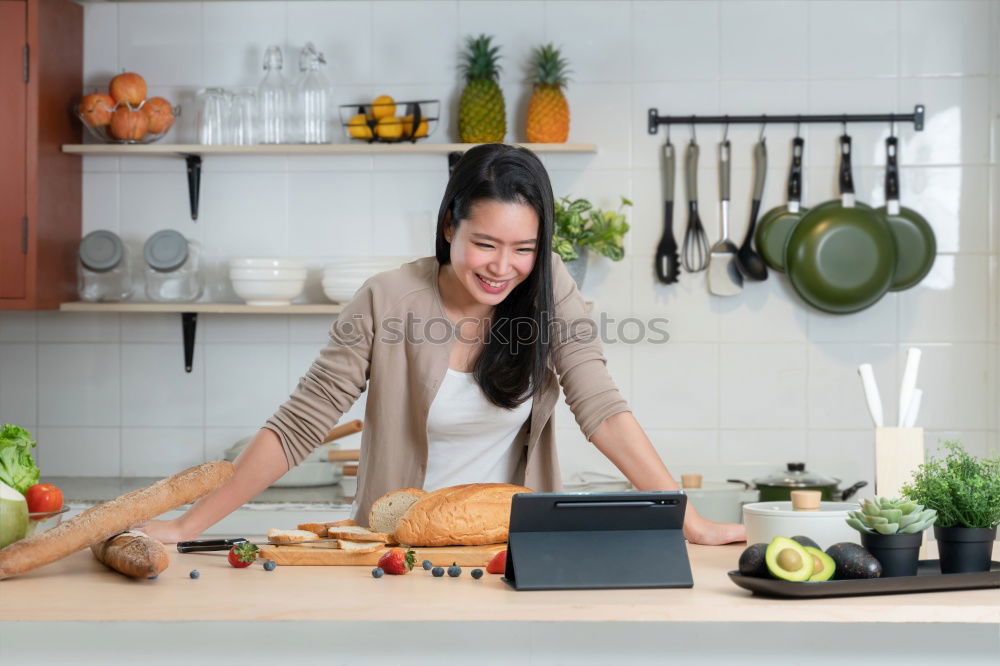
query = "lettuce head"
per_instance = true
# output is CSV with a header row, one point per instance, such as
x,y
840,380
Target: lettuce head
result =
x,y
17,468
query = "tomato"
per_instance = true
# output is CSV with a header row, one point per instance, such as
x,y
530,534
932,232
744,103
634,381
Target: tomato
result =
x,y
43,498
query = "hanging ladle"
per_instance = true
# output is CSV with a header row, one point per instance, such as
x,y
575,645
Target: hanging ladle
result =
x,y
750,263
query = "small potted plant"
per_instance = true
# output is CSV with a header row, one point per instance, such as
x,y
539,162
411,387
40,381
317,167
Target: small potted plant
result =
x,y
965,492
892,530
579,228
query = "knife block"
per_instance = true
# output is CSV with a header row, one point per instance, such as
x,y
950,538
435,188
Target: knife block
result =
x,y
898,453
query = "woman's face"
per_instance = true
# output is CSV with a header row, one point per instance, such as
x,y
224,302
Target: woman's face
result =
x,y
493,250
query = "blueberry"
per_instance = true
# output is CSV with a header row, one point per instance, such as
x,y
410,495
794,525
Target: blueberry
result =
x,y
454,570
269,565
437,571
427,565
154,577
194,573
477,573
377,572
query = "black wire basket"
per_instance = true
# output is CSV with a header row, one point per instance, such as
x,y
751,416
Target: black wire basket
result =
x,y
383,122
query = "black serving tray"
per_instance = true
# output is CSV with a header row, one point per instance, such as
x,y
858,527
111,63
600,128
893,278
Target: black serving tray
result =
x,y
928,579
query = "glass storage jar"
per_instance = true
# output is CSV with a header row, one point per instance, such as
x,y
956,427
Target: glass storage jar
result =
x,y
173,273
104,271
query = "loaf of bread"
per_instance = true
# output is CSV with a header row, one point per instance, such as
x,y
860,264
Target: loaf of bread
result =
x,y
388,509
133,553
474,514
105,520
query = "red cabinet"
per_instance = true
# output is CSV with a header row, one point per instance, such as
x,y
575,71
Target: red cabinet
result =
x,y
41,71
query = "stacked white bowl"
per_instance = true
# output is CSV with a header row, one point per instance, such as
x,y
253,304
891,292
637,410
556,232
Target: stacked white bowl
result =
x,y
343,277
267,280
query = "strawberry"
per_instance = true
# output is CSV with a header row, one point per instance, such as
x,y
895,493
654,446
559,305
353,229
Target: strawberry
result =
x,y
397,562
242,555
498,563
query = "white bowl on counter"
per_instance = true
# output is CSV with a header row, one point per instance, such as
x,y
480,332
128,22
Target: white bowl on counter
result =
x,y
267,273
268,292
266,262
827,526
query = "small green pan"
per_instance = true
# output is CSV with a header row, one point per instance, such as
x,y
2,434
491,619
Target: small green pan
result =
x,y
841,256
777,223
915,244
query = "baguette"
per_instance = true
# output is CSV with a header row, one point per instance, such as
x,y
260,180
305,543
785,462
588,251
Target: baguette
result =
x,y
107,519
474,514
133,553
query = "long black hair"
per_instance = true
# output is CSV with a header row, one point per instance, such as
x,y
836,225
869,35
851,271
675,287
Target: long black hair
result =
x,y
512,365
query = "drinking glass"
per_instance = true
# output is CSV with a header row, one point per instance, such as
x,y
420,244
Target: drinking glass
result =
x,y
213,116
243,117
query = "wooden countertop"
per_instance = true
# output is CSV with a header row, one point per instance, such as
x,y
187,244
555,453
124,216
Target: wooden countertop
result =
x,y
79,589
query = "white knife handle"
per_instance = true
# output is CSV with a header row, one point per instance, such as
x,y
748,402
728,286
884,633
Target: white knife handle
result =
x,y
909,383
914,409
871,393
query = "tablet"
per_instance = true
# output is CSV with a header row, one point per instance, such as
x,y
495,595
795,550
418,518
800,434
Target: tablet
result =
x,y
561,541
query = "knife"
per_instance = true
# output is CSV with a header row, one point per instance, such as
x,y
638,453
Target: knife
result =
x,y
206,545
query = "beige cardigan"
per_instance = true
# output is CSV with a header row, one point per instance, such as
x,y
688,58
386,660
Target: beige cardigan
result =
x,y
403,373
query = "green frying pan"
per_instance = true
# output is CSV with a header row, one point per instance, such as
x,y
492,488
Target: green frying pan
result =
x,y
777,223
841,256
915,244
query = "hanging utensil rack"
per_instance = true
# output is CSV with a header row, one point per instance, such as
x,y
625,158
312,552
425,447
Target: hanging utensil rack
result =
x,y
917,118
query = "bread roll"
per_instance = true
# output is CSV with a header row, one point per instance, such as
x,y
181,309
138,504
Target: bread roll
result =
x,y
133,553
105,520
474,514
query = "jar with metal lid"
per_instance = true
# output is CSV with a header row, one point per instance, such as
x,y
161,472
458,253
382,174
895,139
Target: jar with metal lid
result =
x,y
173,273
104,269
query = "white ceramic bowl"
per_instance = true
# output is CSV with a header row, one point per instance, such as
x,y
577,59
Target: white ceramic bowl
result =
x,y
268,292
340,294
827,526
267,274
266,262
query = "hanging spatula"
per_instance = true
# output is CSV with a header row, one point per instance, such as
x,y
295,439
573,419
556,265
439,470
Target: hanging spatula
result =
x,y
667,259
724,277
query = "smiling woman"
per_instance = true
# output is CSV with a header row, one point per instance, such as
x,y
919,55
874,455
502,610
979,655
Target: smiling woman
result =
x,y
477,404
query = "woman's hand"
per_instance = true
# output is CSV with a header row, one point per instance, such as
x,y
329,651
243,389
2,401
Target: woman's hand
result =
x,y
166,531
709,533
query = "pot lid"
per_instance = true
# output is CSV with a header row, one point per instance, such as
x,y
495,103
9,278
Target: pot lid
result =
x,y
796,476
100,251
166,250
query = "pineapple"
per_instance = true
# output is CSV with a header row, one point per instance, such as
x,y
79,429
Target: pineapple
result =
x,y
482,117
548,112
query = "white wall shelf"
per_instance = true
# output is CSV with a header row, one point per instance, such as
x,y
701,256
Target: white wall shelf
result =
x,y
193,153
189,314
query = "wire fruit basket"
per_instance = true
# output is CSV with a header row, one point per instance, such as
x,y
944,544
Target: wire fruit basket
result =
x,y
379,122
122,123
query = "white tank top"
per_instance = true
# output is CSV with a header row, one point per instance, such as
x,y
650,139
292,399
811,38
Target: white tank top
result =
x,y
469,439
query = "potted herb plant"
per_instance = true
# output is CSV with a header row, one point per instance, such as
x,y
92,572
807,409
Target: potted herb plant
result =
x,y
579,228
965,492
892,530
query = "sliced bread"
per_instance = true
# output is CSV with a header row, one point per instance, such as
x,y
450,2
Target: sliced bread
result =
x,y
388,509
289,536
321,529
356,533
360,546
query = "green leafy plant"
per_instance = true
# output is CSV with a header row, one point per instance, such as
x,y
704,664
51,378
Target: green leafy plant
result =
x,y
578,224
17,468
884,515
963,489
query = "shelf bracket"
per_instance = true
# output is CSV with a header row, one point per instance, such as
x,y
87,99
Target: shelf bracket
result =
x,y
194,183
189,323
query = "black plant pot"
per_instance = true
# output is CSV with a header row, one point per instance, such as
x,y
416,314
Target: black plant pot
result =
x,y
965,549
897,553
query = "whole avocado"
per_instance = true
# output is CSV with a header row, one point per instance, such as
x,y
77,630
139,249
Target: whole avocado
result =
x,y
752,562
853,561
806,542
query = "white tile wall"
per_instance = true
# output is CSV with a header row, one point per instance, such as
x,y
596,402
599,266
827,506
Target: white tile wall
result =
x,y
750,381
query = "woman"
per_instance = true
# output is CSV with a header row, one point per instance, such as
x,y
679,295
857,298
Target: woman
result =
x,y
462,355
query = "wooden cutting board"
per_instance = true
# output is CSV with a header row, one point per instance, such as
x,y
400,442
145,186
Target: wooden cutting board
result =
x,y
463,556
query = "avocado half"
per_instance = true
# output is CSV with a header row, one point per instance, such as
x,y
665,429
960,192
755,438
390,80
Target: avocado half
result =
x,y
788,560
823,565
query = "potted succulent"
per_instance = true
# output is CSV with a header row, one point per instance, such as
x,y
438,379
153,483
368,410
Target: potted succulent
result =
x,y
965,492
892,530
579,228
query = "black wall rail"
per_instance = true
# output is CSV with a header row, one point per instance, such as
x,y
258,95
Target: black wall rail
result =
x,y
917,118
